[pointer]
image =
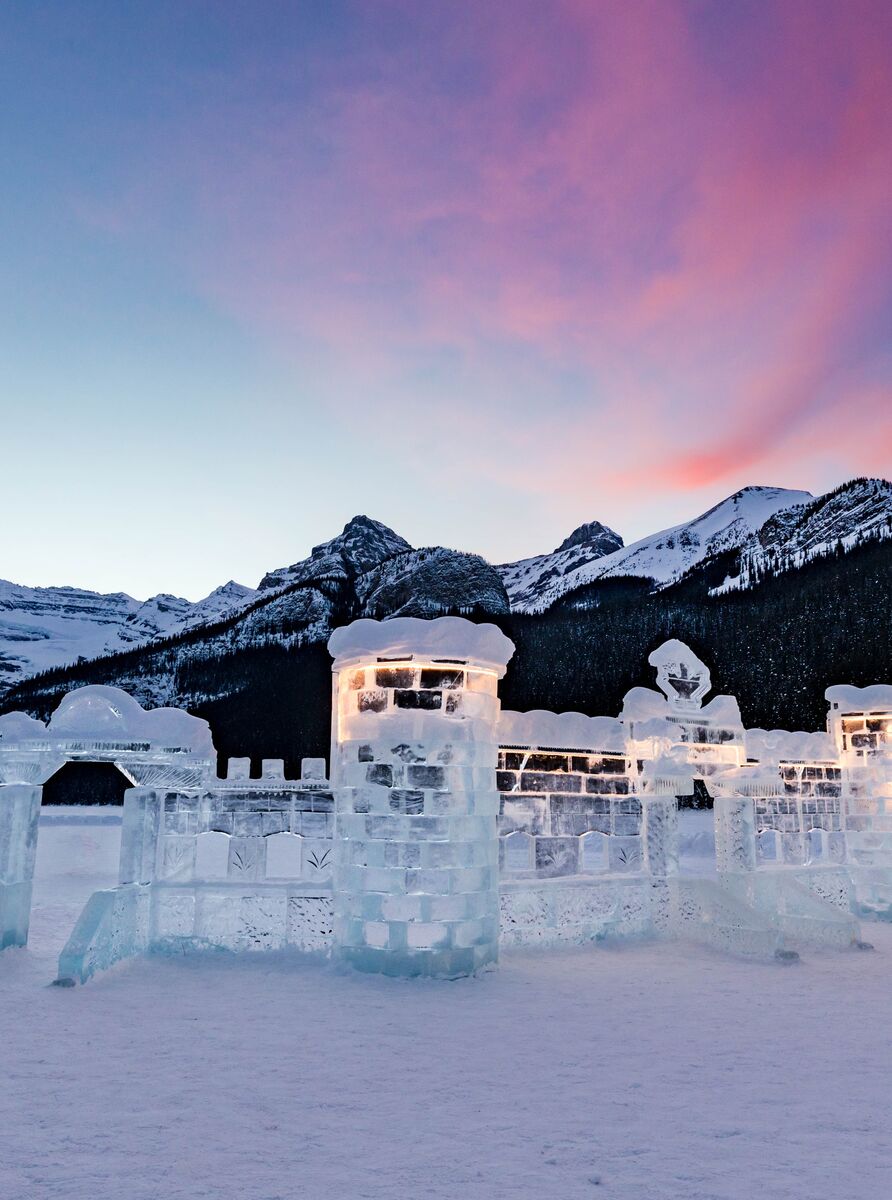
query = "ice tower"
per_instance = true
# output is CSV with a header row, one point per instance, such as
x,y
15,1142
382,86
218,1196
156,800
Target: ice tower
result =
x,y
414,751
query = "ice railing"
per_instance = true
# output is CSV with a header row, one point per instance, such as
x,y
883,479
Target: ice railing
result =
x,y
143,763
232,830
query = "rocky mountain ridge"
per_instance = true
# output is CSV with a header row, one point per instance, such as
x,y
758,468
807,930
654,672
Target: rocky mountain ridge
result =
x,y
44,627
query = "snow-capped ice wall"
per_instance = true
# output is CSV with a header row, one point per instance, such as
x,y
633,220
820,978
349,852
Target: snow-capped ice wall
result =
x,y
414,766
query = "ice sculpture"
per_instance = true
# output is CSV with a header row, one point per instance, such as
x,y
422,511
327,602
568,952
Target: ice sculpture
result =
x,y
564,777
414,757
240,864
450,826
681,675
710,736
91,724
860,723
587,851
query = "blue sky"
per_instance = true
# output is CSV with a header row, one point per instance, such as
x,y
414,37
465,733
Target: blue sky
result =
x,y
481,273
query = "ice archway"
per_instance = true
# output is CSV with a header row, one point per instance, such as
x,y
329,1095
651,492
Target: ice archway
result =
x,y
163,746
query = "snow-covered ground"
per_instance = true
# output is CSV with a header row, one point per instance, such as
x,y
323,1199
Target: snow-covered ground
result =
x,y
638,1073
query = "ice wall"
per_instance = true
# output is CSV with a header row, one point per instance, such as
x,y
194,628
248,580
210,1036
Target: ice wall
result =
x,y
414,756
240,864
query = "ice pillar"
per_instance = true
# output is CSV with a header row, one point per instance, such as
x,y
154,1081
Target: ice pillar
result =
x,y
735,833
659,807
19,814
414,750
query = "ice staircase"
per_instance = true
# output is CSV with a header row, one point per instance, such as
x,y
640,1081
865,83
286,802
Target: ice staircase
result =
x,y
761,914
873,891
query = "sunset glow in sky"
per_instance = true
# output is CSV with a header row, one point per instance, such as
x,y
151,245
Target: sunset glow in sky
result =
x,y
483,271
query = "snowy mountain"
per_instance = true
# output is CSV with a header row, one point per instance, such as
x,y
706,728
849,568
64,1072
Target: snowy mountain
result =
x,y
366,571
42,628
420,583
361,545
534,584
856,512
531,580
222,602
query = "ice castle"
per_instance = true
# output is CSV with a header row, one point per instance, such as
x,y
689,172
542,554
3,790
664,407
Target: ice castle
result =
x,y
447,828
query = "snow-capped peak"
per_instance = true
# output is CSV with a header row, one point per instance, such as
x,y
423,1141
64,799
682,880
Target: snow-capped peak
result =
x,y
594,534
543,575
856,512
220,603
535,584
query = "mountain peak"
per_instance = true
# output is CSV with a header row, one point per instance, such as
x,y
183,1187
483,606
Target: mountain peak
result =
x,y
363,543
535,584
594,534
369,524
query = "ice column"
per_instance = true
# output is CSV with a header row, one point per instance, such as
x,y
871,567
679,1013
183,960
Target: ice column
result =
x,y
414,751
661,785
19,814
735,832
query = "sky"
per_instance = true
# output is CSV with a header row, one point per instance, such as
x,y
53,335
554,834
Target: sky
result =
x,y
481,271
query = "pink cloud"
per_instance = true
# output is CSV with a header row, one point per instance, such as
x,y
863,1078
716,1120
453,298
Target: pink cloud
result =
x,y
601,200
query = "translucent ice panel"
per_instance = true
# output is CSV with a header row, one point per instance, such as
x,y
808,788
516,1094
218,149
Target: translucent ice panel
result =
x,y
212,855
517,851
284,855
593,852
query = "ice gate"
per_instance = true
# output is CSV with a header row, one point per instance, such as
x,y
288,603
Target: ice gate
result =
x,y
450,828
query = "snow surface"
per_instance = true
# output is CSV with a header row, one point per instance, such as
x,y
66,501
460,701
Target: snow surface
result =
x,y
644,704
100,712
650,1072
874,697
570,730
444,637
782,745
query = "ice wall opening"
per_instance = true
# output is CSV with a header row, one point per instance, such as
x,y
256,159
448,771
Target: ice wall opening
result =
x,y
86,783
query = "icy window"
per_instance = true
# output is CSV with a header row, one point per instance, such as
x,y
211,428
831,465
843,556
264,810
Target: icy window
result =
x,y
593,852
518,852
283,856
212,855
